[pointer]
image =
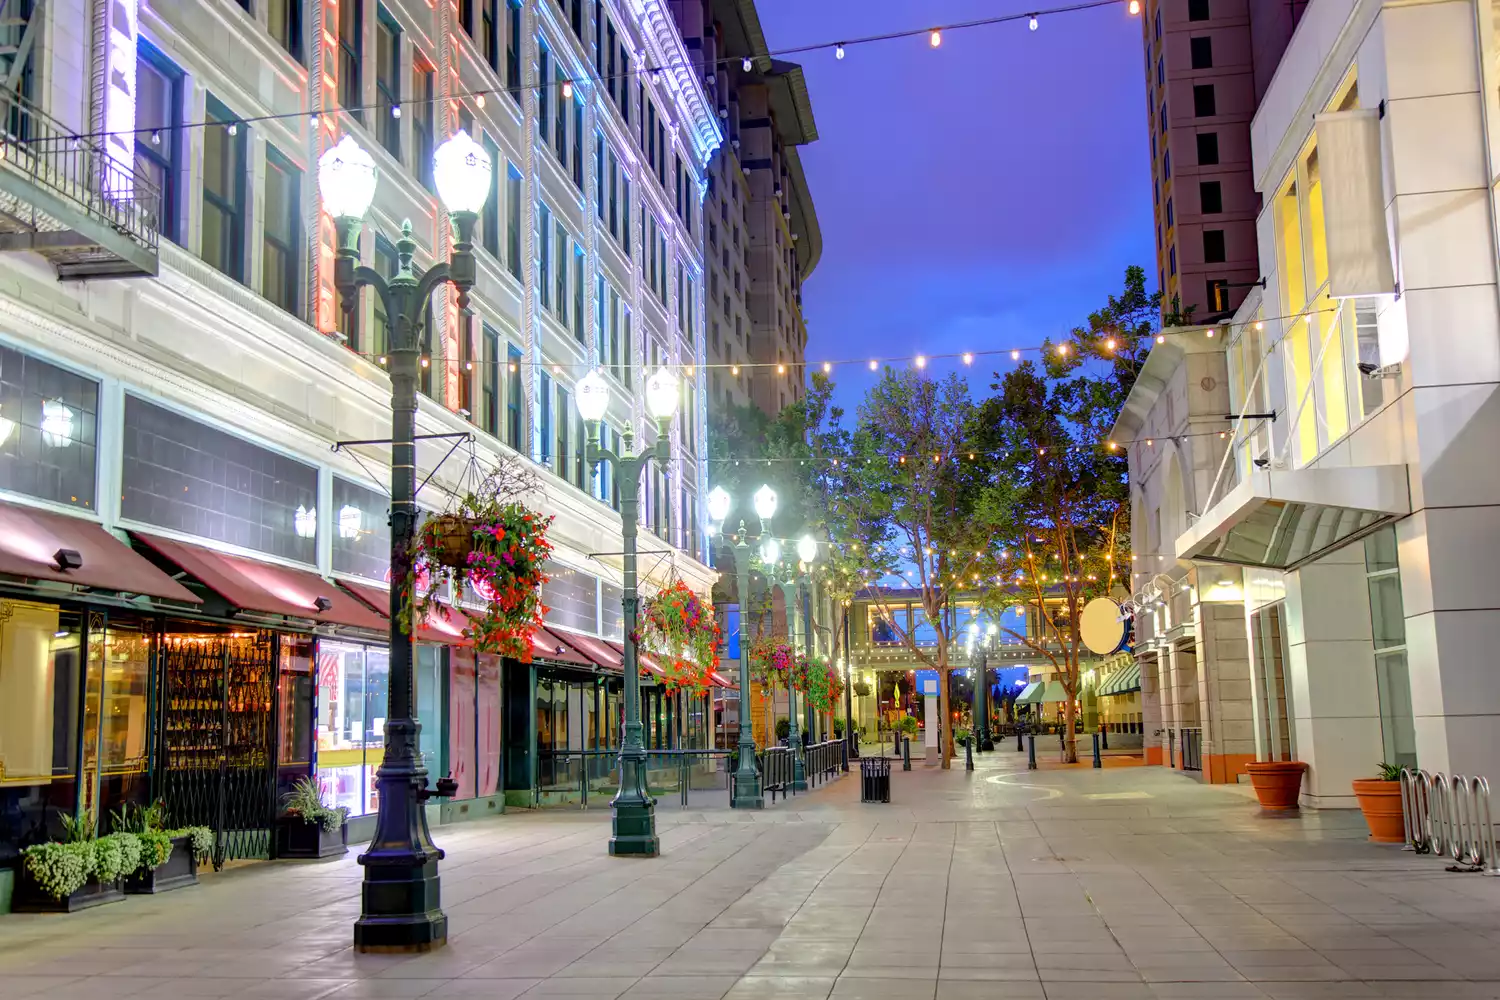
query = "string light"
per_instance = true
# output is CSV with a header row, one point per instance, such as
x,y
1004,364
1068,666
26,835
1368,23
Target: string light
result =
x,y
425,362
747,65
827,367
1062,349
1135,6
781,369
968,358
734,369
873,365
935,39
567,90
1109,345
395,111
921,361
838,53
1033,22
1015,355
234,128
479,100
1210,331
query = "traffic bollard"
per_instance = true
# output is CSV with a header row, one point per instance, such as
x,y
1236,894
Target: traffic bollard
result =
x,y
906,753
969,753
1062,740
1020,740
1104,738
1031,753
1098,762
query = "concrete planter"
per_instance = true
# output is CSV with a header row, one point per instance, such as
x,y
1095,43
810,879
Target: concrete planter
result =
x,y
296,838
1277,783
1380,801
30,898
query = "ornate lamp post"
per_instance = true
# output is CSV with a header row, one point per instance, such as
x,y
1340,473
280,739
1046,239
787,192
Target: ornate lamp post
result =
x,y
770,557
633,824
400,898
807,551
747,790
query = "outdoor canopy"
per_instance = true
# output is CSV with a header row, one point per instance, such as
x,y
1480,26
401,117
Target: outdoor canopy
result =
x,y
1121,681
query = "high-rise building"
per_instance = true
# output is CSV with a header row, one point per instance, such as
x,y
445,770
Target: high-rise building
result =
x,y
1208,63
167,469
761,235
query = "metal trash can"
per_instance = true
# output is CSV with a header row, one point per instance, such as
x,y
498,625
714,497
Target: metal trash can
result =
x,y
874,779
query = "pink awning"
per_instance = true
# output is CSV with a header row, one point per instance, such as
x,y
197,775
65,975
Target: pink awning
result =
x,y
30,539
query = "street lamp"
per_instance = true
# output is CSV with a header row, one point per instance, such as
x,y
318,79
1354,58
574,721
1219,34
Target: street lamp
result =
x,y
747,790
400,899
982,644
770,555
633,823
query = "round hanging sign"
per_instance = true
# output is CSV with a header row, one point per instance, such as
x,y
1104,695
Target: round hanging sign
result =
x,y
1100,626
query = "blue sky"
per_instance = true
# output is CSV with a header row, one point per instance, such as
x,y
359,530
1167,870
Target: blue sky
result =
x,y
974,197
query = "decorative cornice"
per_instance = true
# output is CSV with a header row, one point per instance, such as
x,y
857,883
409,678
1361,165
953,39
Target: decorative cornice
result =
x,y
667,51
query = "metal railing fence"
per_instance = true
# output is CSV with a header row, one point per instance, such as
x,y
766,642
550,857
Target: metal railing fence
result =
x,y
1192,749
1449,817
597,773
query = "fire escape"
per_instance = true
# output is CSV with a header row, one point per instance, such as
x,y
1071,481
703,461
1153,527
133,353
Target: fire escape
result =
x,y
62,195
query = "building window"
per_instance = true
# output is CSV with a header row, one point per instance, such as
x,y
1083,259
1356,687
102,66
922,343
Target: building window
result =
x,y
489,226
1166,165
466,365
489,32
223,193
158,144
1172,259
361,532
544,256
578,141
1204,105
284,19
1388,622
544,95
1213,246
176,472
514,398
513,50
1211,196
1170,221
1208,148
513,219
543,454
50,450
387,81
281,256
561,259
562,458
1217,291
421,126
560,137
488,416
1197,11
579,259
466,16
351,55
1202,50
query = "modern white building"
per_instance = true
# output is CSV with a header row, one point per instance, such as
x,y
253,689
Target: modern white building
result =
x,y
1363,517
195,397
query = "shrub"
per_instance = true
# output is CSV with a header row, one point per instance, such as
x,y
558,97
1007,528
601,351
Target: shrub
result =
x,y
305,801
783,728
60,869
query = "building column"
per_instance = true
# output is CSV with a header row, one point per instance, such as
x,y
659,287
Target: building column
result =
x,y
1330,670
1225,692
1153,743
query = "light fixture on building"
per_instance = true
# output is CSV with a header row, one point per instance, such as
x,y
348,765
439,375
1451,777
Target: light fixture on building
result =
x,y
322,604
57,423
305,522
66,559
351,521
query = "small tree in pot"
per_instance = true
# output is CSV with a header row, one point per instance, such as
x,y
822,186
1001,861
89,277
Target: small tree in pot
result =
x,y
310,828
1380,802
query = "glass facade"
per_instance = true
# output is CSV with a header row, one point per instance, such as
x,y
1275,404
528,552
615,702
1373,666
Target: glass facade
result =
x,y
353,682
189,477
48,422
572,598
1388,624
361,532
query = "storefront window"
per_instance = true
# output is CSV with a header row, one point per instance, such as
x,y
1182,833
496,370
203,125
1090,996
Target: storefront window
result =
x,y
377,697
488,695
48,451
612,615
341,724
428,665
361,532
124,719
189,477
571,597
462,744
294,696
39,677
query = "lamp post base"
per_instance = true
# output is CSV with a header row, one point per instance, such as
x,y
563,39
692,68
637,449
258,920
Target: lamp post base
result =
x,y
634,831
799,771
747,791
402,911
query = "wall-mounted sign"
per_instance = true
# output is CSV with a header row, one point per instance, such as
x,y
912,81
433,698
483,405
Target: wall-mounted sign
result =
x,y
1100,626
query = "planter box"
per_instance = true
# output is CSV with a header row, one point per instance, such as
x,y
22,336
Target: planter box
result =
x,y
180,869
1277,783
29,897
298,839
1380,801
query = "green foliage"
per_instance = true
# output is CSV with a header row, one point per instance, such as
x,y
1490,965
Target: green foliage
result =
x,y
200,841
60,869
116,855
305,800
1390,772
783,728
838,726
79,829
131,818
156,848
961,735
907,725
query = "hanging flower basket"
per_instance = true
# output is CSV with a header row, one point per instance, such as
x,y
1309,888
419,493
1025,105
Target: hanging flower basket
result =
x,y
771,662
504,564
448,540
815,679
678,626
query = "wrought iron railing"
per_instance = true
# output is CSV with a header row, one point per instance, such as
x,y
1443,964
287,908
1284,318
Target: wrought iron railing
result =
x,y
822,761
595,773
80,171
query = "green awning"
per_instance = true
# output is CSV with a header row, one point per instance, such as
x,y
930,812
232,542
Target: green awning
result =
x,y
1031,694
1122,681
1054,692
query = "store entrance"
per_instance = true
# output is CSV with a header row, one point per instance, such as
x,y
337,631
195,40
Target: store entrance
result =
x,y
217,731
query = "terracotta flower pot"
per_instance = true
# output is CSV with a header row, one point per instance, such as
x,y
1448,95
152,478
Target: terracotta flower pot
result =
x,y
1380,801
1277,783
452,539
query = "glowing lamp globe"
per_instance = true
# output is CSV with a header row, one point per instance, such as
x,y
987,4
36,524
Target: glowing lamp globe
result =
x,y
718,503
661,394
770,551
592,395
807,549
462,171
346,179
765,503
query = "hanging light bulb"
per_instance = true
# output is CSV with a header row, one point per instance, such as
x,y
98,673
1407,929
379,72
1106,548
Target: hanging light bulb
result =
x,y
1135,6
1109,345
921,361
234,128
838,51
1161,338
1210,332
781,369
395,111
1033,22
747,65
827,368
935,39
734,369
1015,355
567,90
968,358
156,138
479,100
873,364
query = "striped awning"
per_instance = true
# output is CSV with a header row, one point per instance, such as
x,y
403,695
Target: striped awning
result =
x,y
1053,692
1122,681
1032,693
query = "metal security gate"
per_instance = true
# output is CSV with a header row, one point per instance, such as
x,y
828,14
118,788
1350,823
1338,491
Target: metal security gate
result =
x,y
218,733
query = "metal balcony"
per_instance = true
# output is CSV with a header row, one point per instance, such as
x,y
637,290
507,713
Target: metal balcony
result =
x,y
67,199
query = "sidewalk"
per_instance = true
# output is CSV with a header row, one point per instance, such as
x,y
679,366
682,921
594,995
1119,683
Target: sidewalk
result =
x,y
1119,884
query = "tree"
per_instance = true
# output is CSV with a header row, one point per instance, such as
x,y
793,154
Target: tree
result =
x,y
1066,510
913,491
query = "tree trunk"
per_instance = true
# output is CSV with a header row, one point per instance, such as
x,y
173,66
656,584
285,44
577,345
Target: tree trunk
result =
x,y
945,746
1070,737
